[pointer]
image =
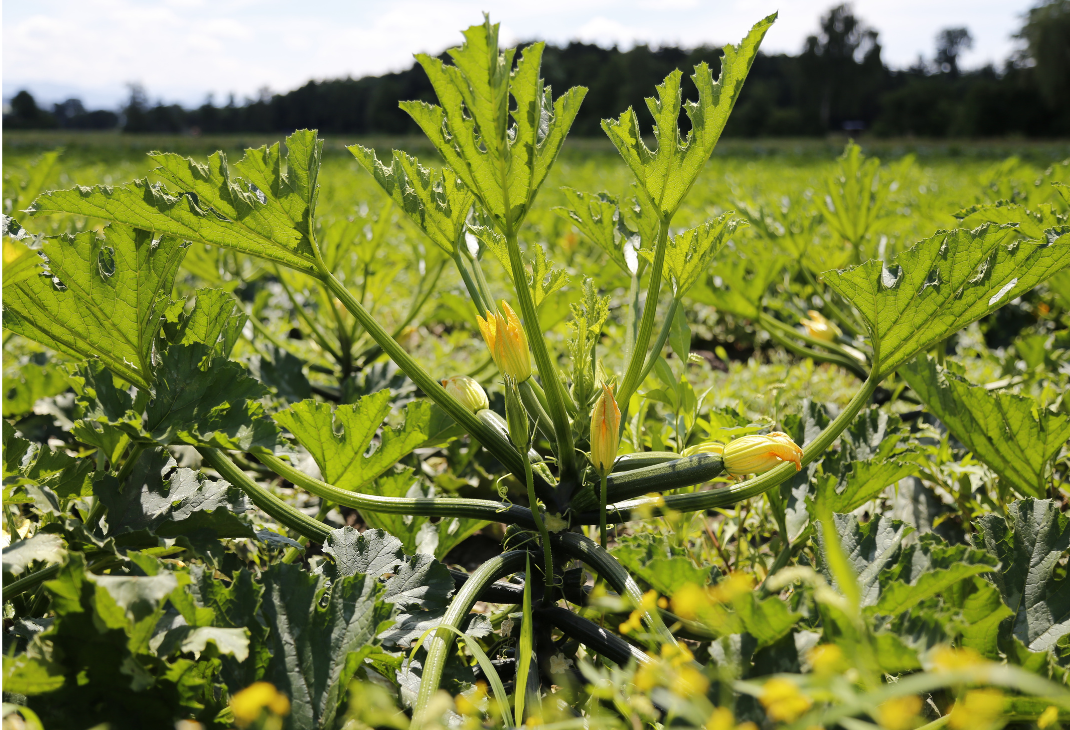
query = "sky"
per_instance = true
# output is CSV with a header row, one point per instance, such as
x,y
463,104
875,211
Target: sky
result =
x,y
183,50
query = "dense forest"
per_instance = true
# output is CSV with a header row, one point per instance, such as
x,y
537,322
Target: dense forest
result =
x,y
837,83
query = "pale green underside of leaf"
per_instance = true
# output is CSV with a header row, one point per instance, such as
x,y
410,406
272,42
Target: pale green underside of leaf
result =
x,y
943,283
469,129
689,254
437,203
316,640
339,439
41,548
113,293
1030,543
1010,433
267,213
667,174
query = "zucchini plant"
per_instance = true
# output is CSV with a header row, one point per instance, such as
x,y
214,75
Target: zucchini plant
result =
x,y
155,381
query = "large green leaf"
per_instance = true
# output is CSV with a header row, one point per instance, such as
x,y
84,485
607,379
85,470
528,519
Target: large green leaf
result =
x,y
339,438
318,640
269,212
1030,543
419,586
661,564
96,662
927,569
216,320
503,164
435,201
98,297
41,548
1012,434
689,254
207,400
870,548
666,175
172,502
943,283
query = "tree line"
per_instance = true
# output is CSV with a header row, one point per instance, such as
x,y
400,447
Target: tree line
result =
x,y
837,83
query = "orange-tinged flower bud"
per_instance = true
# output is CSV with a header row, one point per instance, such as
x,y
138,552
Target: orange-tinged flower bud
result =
x,y
759,454
605,431
820,328
467,391
507,343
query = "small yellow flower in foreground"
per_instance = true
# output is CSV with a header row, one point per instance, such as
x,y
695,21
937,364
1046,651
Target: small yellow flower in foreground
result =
x,y
759,454
605,431
1048,718
978,710
248,704
899,713
690,682
467,391
469,704
782,700
827,659
688,600
820,328
721,719
507,343
950,659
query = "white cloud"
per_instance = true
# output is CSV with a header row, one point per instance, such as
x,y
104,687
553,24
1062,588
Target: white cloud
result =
x,y
182,49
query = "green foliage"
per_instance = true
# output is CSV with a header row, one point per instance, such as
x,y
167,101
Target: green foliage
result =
x,y
944,283
503,164
170,544
666,174
1029,544
1013,434
98,297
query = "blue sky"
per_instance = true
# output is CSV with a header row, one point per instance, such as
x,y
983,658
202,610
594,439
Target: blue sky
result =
x,y
181,50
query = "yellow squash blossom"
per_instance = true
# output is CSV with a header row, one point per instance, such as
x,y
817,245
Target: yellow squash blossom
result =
x,y
467,391
605,431
759,454
507,343
821,328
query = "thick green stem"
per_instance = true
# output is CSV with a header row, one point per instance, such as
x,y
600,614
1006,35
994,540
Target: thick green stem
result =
x,y
284,513
438,645
772,326
847,363
724,496
479,509
482,305
659,344
586,550
646,326
602,538
501,450
535,409
551,379
631,323
548,558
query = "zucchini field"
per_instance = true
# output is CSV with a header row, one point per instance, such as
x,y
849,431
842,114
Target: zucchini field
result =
x,y
499,429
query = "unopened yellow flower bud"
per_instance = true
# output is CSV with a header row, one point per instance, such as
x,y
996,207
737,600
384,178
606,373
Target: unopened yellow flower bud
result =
x,y
605,431
467,391
507,343
821,328
759,454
